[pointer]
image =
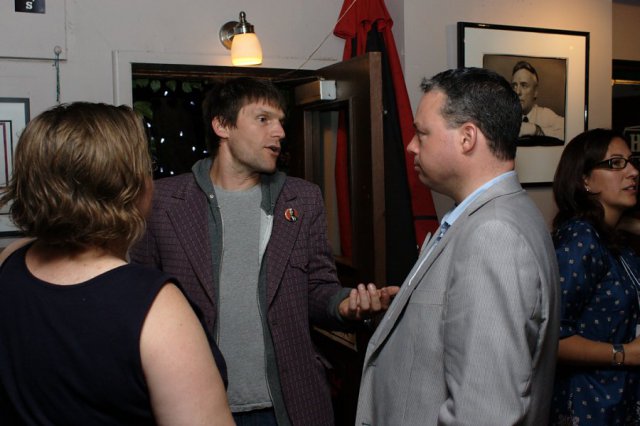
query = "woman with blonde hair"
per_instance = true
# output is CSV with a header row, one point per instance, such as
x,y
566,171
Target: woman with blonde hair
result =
x,y
85,337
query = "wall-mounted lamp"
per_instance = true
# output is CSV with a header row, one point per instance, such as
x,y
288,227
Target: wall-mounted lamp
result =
x,y
243,42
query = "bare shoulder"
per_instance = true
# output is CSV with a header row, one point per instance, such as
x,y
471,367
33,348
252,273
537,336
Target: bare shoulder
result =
x,y
184,383
169,313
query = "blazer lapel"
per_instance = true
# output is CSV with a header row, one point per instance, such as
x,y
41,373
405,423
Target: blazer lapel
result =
x,y
408,286
284,234
507,186
190,220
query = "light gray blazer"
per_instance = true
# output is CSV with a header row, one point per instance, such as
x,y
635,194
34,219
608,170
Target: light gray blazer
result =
x,y
472,338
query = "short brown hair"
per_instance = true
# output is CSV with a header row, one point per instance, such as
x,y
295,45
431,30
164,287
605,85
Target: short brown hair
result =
x,y
225,100
484,98
79,174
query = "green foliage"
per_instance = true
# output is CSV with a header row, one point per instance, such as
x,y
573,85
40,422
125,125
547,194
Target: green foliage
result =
x,y
170,85
190,86
140,83
155,85
144,109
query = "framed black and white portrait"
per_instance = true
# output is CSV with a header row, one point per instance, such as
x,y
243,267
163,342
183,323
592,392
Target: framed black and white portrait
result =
x,y
548,69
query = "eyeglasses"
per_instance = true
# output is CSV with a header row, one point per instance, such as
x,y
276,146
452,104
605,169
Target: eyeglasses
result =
x,y
618,163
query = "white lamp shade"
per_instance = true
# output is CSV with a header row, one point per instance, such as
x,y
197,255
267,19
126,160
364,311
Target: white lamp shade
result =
x,y
246,50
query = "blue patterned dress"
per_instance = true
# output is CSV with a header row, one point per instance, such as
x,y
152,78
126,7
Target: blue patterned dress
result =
x,y
599,302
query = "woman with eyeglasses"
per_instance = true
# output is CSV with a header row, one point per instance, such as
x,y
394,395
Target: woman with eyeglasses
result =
x,y
597,376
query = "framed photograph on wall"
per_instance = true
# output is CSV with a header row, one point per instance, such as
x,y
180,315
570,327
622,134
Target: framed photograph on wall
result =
x,y
548,69
14,116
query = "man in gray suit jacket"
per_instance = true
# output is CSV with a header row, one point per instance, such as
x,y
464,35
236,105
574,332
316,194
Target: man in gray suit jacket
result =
x,y
471,338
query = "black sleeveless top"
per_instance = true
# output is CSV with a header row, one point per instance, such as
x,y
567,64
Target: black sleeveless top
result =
x,y
70,355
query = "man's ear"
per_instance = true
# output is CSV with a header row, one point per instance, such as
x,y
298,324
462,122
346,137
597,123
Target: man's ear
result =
x,y
468,137
219,129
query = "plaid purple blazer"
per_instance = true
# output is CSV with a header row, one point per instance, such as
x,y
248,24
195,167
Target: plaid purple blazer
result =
x,y
301,279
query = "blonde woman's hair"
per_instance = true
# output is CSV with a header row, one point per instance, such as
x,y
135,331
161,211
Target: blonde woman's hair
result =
x,y
79,175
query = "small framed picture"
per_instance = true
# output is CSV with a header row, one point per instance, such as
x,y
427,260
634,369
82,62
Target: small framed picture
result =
x,y
14,116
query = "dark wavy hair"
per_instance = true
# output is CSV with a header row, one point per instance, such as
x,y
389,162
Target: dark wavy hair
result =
x,y
225,100
578,159
484,98
79,174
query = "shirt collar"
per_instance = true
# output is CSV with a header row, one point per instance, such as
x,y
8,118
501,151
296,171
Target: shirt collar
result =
x,y
453,214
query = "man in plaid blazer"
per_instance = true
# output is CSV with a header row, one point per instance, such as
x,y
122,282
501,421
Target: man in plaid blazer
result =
x,y
248,246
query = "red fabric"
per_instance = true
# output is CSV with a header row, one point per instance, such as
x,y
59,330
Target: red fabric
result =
x,y
358,19
342,188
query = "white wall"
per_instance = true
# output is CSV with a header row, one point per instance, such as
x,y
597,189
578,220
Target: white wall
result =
x,y
626,32
425,32
96,28
152,30
430,47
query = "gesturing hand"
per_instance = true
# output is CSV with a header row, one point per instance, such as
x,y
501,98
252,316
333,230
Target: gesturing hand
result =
x,y
363,301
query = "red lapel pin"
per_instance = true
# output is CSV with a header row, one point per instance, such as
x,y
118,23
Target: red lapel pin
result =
x,y
291,214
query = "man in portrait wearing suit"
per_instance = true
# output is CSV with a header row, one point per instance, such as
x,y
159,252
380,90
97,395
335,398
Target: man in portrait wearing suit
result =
x,y
540,125
248,246
471,338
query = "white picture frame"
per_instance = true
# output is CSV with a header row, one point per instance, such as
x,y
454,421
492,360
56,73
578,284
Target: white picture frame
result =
x,y
535,165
